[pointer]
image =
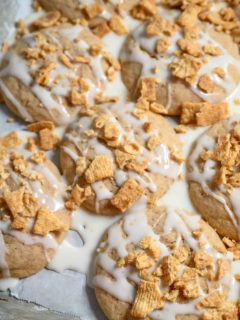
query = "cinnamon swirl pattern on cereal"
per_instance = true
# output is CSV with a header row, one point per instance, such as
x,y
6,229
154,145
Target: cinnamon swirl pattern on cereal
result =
x,y
50,74
117,154
186,55
213,174
33,219
164,265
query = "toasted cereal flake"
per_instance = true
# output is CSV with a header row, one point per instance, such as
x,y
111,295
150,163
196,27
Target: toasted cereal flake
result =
x,y
144,9
81,166
42,76
170,267
212,50
185,68
99,98
223,268
214,300
77,98
46,221
101,29
190,47
206,84
158,108
162,45
159,26
66,61
127,195
48,20
189,16
10,140
203,113
122,158
143,261
95,49
151,246
14,201
181,129
131,148
228,310
146,275
38,157
81,59
117,25
78,196
110,131
38,126
30,205
100,121
19,223
48,140
137,166
92,10
202,260
100,168
148,298
189,283
148,89
220,72
153,141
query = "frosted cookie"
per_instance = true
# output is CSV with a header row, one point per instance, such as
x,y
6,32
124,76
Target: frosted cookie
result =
x,y
116,154
185,60
33,219
52,73
164,265
213,174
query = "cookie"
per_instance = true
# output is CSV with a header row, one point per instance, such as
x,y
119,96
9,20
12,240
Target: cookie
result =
x,y
116,154
185,59
213,175
33,219
163,264
52,73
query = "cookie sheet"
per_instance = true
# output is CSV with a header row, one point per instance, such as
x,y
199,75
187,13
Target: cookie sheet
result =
x,y
68,293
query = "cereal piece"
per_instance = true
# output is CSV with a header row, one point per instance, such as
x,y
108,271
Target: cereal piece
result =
x,y
148,298
148,89
144,9
202,260
100,168
66,61
177,156
117,25
131,148
206,84
38,126
189,16
192,32
212,50
162,45
92,10
10,140
81,59
14,201
78,196
101,29
77,98
220,72
203,113
158,108
127,195
152,142
181,129
191,47
42,76
19,223
185,68
48,20
122,158
170,267
30,205
47,221
99,98
143,261
214,300
110,131
38,157
138,167
159,26
95,49
237,276
149,244
189,283
48,140
223,268
81,166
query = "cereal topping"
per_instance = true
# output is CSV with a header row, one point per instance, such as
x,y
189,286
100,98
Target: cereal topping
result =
x,y
100,168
